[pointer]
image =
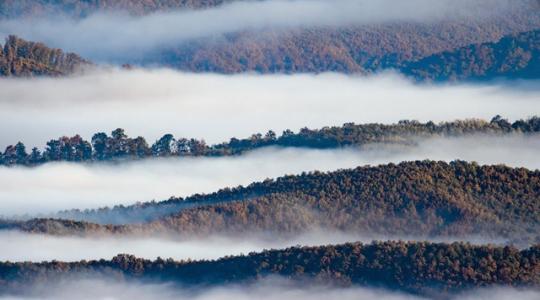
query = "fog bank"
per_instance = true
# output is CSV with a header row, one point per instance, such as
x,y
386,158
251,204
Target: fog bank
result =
x,y
218,107
19,247
268,289
58,186
110,36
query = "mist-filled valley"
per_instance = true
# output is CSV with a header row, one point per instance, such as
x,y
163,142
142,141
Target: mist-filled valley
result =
x,y
62,186
218,107
20,247
270,289
270,149
116,36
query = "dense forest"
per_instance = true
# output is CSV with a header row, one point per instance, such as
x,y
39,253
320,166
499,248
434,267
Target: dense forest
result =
x,y
118,146
22,58
350,50
417,199
354,49
428,269
512,57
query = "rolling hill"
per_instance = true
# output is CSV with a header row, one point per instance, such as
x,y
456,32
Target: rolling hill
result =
x,y
417,199
516,56
427,269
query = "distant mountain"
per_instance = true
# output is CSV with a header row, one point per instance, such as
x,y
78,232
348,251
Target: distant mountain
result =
x,y
81,8
428,269
22,58
352,49
422,198
516,56
363,49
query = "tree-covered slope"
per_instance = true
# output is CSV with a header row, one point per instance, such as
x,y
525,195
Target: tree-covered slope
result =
x,y
81,8
348,49
422,198
429,269
516,56
23,58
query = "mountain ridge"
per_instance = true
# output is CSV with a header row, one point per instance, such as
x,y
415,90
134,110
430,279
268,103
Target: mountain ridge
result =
x,y
421,268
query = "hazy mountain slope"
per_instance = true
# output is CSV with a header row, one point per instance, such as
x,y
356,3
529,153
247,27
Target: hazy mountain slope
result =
x,y
23,58
431,199
351,49
424,268
515,56
80,8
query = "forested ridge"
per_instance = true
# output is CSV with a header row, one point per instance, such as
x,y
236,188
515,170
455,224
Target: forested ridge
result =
x,y
351,49
429,269
422,198
516,56
22,58
118,146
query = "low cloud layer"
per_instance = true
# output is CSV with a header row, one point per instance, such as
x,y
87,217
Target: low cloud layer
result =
x,y
59,186
274,289
218,107
114,36
20,247
270,289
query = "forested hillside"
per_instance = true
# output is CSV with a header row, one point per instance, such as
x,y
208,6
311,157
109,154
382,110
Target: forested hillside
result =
x,y
423,198
428,269
352,49
118,146
348,49
22,58
515,56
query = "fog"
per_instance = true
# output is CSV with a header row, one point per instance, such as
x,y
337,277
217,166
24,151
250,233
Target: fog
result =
x,y
58,186
117,36
272,289
19,247
151,103
268,289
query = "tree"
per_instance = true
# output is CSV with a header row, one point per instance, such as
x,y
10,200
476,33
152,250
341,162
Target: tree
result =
x,y
53,151
165,146
99,142
35,157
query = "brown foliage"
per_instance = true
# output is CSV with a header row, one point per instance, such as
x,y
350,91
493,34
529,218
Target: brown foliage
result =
x,y
23,58
422,198
418,267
